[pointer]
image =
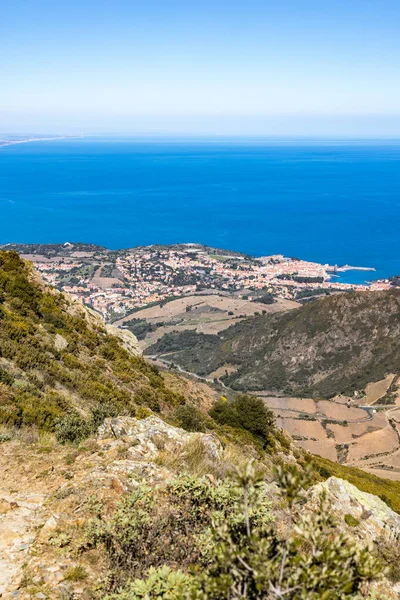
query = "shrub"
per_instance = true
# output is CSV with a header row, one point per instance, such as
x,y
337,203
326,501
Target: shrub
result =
x,y
143,412
191,418
72,428
245,555
160,584
350,520
388,552
149,397
246,412
312,561
77,573
6,377
182,513
102,412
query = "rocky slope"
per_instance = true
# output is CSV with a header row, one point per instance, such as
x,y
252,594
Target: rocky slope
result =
x,y
54,499
333,346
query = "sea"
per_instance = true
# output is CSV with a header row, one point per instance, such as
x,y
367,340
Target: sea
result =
x,y
331,201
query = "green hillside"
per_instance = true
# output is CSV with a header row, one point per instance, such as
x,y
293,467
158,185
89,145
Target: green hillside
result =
x,y
334,345
57,363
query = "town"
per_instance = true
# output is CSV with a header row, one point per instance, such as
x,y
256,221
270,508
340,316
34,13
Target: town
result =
x,y
117,283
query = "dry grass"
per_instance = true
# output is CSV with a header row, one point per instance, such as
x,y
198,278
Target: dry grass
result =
x,y
193,458
376,390
30,436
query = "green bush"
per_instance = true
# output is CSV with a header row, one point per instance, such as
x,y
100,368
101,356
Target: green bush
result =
x,y
160,584
101,412
72,428
6,377
191,418
388,552
246,412
350,520
184,511
247,558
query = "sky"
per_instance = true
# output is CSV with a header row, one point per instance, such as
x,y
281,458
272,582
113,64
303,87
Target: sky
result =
x,y
281,67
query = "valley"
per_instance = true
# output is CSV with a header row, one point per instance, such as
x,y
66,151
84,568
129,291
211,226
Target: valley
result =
x,y
354,431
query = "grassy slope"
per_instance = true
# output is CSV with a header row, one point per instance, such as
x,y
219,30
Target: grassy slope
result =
x,y
40,383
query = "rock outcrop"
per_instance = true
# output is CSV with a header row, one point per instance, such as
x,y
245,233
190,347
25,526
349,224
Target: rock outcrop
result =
x,y
19,516
373,515
146,437
129,341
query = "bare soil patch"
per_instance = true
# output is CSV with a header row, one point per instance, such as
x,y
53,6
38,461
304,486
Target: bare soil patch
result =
x,y
324,448
306,405
303,428
353,431
340,412
376,390
372,444
384,473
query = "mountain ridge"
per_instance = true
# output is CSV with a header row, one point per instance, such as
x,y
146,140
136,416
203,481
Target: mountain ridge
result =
x,y
335,345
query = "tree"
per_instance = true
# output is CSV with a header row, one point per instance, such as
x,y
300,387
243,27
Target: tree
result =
x,y
245,412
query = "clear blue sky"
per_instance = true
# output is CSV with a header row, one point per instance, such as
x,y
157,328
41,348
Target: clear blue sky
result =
x,y
201,66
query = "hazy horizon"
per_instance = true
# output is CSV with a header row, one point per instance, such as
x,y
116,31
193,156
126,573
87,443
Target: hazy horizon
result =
x,y
219,67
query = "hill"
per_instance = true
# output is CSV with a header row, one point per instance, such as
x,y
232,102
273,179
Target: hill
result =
x,y
335,345
120,482
59,367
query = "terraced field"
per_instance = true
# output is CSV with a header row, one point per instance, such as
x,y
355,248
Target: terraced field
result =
x,y
359,431
347,430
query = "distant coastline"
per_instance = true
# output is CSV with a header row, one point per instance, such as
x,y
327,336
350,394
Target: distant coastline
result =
x,y
23,140
117,283
261,199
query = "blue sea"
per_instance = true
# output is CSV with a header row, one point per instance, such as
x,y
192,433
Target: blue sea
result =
x,y
322,200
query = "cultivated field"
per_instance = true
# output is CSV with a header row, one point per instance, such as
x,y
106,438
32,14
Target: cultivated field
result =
x,y
205,313
355,431
376,390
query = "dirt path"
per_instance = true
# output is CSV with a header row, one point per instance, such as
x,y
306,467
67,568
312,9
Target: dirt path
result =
x,y
20,514
23,509
161,362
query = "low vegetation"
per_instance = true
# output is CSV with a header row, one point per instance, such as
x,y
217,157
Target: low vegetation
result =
x,y
174,524
59,370
249,413
227,531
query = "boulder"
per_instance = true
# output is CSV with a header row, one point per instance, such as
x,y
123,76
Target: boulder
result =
x,y
129,341
146,437
373,514
60,343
